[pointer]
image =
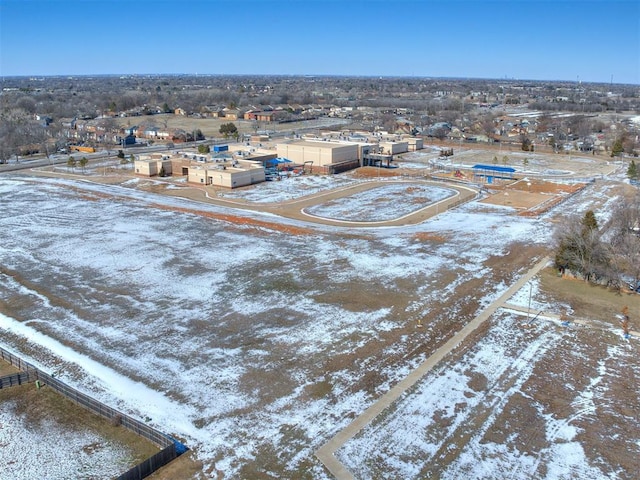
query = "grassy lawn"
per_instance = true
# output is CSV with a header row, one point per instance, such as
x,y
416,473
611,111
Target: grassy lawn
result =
x,y
7,369
210,127
591,301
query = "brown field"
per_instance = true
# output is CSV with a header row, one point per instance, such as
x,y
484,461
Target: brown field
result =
x,y
210,127
590,301
531,198
7,369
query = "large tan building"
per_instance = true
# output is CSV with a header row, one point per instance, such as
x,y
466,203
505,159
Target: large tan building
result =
x,y
201,169
153,165
323,156
393,148
234,174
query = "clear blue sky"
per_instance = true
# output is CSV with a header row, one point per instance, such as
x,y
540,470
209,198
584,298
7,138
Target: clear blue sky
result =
x,y
589,40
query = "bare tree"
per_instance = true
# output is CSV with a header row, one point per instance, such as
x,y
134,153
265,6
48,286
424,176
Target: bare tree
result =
x,y
624,240
579,248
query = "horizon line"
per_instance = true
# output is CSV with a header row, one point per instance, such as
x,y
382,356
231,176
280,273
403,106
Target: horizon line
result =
x,y
311,75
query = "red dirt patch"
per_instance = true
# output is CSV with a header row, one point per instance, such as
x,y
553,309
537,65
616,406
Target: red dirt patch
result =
x,y
237,220
533,197
429,237
374,172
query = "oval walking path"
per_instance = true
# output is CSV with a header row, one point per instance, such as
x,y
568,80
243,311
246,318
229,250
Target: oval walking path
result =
x,y
326,453
295,208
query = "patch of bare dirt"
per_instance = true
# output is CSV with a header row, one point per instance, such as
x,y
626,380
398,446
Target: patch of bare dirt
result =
x,y
375,172
429,237
239,220
7,369
606,422
533,197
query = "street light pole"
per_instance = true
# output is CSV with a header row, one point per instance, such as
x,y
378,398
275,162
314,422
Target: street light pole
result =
x,y
529,307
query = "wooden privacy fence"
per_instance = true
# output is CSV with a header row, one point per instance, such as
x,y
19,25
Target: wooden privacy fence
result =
x,y
170,448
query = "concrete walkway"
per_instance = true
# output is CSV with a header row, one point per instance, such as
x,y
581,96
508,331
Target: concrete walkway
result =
x,y
554,317
326,453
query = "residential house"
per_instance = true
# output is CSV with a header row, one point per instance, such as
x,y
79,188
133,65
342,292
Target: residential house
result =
x,y
131,130
264,116
44,120
69,123
232,114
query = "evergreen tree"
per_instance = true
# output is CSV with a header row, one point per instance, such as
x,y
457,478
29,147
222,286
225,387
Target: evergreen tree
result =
x,y
589,222
71,163
617,147
632,171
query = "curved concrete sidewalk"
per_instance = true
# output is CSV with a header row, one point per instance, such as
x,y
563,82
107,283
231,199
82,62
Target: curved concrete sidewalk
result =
x,y
326,453
554,317
295,208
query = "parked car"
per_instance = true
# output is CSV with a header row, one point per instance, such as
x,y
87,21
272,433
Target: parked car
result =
x,y
634,287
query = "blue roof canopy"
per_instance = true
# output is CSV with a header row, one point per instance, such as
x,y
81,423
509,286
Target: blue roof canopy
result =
x,y
494,168
274,161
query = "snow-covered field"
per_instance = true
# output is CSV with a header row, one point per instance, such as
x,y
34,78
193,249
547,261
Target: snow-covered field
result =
x,y
46,451
288,188
382,203
256,346
452,424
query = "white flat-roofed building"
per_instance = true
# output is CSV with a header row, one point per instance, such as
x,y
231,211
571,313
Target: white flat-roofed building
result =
x,y
415,143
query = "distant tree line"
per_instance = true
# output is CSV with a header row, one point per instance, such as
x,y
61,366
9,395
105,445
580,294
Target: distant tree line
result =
x,y
465,103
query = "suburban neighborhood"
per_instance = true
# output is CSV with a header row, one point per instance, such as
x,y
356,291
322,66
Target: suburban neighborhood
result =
x,y
277,277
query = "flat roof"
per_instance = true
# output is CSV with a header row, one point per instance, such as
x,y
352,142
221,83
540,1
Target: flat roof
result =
x,y
321,143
